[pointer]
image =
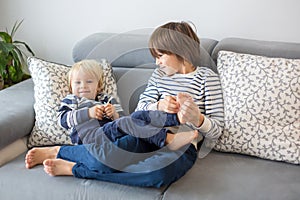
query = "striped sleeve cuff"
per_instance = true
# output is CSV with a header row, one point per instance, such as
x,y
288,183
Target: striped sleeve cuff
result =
x,y
204,128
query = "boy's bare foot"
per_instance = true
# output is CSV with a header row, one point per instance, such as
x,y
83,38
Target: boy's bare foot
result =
x,y
182,138
37,155
58,167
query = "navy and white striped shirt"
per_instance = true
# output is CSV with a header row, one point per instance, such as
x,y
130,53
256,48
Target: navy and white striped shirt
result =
x,y
202,84
73,112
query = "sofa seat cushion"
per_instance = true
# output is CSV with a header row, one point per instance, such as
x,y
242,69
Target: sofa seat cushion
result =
x,y
36,184
228,176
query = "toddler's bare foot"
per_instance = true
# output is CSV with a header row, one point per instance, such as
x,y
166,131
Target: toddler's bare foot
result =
x,y
182,98
58,167
37,155
182,138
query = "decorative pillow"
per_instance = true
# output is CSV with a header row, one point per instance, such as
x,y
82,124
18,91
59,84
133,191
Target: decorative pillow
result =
x,y
50,86
261,106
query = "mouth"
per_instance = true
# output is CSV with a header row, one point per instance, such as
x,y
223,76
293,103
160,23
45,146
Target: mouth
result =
x,y
84,92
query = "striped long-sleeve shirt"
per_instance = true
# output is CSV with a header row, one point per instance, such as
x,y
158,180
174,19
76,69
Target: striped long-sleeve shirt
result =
x,y
73,112
202,84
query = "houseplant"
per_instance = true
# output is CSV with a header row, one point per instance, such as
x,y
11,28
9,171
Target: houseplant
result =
x,y
13,54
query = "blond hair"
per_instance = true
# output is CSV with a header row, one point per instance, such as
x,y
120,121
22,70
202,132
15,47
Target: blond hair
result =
x,y
90,67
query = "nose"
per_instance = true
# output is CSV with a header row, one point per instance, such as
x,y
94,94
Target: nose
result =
x,y
82,84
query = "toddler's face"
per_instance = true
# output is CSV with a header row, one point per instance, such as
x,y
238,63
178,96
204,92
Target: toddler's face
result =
x,y
84,85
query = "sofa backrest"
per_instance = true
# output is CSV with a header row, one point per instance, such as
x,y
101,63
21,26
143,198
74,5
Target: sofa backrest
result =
x,y
131,60
258,47
133,64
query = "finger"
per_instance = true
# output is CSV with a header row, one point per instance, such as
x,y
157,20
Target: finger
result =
x,y
99,114
170,107
100,108
170,98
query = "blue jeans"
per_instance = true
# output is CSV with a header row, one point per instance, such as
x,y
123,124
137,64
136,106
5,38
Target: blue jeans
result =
x,y
146,125
154,168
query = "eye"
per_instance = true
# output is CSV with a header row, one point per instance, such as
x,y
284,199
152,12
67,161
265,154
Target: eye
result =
x,y
89,81
77,82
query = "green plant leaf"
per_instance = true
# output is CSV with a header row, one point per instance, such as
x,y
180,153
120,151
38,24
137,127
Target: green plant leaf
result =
x,y
16,27
27,47
13,55
6,37
18,57
6,48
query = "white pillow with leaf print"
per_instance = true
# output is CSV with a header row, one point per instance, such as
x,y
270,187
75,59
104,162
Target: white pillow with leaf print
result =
x,y
50,86
261,106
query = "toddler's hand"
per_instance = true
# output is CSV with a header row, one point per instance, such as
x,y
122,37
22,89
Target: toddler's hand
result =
x,y
96,112
109,110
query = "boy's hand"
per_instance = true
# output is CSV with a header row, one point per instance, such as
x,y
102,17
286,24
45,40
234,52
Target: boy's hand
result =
x,y
168,104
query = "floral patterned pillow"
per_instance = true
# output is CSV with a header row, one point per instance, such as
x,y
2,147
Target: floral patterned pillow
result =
x,y
261,105
50,86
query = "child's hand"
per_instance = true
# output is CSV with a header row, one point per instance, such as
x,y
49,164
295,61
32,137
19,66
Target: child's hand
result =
x,y
96,112
168,104
110,111
189,111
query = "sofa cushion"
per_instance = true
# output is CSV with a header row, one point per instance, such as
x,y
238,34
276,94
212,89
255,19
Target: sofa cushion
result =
x,y
50,86
229,176
13,150
17,183
17,114
258,47
261,106
127,49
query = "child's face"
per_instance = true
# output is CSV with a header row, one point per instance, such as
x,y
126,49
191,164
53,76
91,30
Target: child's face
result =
x,y
169,63
84,85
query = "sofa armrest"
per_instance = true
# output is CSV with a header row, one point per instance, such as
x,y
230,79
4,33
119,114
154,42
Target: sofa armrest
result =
x,y
17,113
13,150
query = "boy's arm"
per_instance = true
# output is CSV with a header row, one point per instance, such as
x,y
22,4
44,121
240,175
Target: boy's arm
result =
x,y
149,98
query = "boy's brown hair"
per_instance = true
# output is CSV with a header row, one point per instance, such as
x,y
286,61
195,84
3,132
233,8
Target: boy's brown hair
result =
x,y
176,38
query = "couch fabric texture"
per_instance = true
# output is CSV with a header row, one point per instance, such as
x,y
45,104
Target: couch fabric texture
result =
x,y
258,170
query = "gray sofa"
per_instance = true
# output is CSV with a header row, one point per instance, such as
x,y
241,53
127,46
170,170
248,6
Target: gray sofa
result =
x,y
218,176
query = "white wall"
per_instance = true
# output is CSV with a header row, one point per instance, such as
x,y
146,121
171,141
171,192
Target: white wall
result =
x,y
52,28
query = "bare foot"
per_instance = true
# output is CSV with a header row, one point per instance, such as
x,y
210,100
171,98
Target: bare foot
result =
x,y
182,98
58,167
182,138
37,155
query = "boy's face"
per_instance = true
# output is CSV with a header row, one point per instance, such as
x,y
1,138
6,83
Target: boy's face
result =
x,y
84,85
168,63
